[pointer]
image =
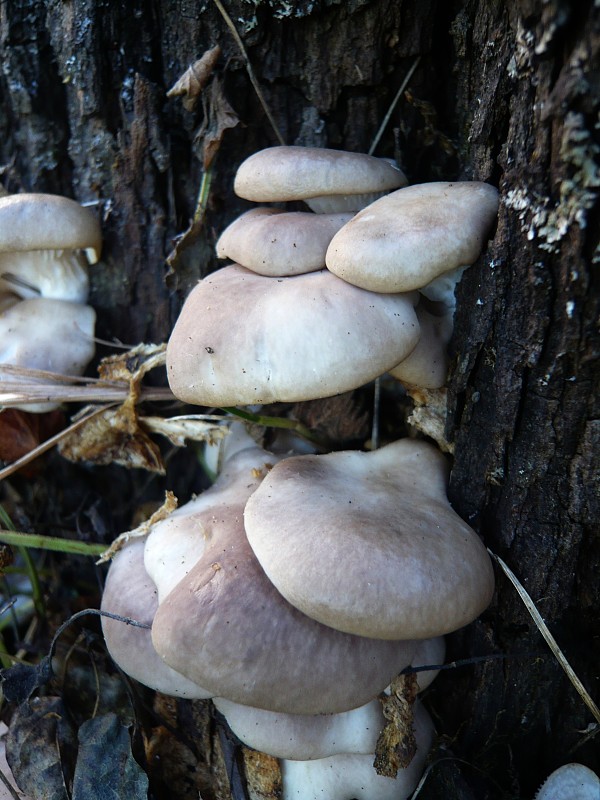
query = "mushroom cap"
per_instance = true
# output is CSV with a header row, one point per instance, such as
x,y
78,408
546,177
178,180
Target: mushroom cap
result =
x,y
269,241
130,592
243,338
285,173
302,737
34,221
368,542
57,274
406,239
427,365
348,775
225,627
51,335
570,782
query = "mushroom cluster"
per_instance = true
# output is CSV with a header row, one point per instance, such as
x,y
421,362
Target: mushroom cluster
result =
x,y
345,561
46,242
288,684
334,299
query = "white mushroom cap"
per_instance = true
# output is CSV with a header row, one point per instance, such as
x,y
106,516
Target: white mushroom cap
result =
x,y
429,652
302,737
347,776
48,222
368,542
328,180
408,238
427,365
570,782
273,242
243,338
51,335
130,592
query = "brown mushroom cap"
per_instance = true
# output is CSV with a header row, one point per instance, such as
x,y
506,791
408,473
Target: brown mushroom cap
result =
x,y
242,338
285,173
48,222
130,592
403,241
368,542
227,628
273,242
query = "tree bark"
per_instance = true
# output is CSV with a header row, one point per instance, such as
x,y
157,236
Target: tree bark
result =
x,y
505,92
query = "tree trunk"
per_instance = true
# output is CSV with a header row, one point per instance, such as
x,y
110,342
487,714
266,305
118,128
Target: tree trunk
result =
x,y
504,92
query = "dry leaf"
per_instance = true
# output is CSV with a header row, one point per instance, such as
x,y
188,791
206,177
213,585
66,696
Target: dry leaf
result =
x,y
163,512
397,745
263,775
429,414
114,436
180,429
134,364
218,117
195,78
21,432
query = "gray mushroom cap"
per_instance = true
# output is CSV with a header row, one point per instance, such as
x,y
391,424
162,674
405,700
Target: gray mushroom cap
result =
x,y
243,338
368,542
274,242
32,221
130,592
227,628
406,239
328,180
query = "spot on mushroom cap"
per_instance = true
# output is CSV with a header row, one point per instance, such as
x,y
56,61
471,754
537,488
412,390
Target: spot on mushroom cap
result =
x,y
297,173
227,628
33,221
403,241
243,338
375,546
273,242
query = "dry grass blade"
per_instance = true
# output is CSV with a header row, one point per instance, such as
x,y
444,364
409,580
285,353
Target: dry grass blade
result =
x,y
393,104
550,640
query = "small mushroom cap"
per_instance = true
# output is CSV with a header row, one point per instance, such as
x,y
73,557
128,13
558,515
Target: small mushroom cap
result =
x,y
51,335
285,173
345,776
243,338
48,222
368,542
226,628
406,239
302,737
273,242
570,782
427,365
130,592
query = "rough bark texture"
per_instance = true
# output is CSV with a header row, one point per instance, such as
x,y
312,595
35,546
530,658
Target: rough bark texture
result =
x,y
506,92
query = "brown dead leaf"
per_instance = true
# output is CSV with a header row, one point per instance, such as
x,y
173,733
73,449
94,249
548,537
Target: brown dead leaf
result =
x,y
195,78
134,364
218,117
143,529
114,436
397,745
263,775
21,432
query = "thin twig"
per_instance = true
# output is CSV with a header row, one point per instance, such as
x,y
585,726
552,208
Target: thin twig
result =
x,y
550,640
390,111
249,69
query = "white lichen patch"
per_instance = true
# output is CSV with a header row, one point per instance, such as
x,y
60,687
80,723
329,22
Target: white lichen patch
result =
x,y
549,222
